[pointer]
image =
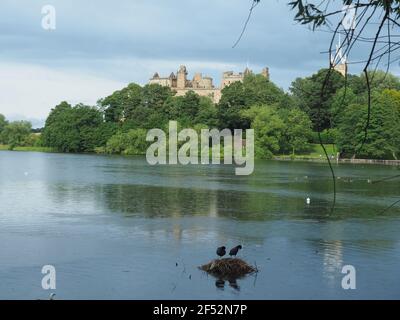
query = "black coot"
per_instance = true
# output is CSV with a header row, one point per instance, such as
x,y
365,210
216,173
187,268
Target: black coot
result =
x,y
221,251
235,250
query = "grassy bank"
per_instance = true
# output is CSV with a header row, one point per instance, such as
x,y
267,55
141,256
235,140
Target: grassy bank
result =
x,y
32,149
316,152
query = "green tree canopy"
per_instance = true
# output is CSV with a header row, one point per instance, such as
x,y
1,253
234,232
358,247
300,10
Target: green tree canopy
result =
x,y
191,109
16,133
132,142
239,96
122,103
379,81
136,106
268,129
313,100
298,131
3,123
75,129
383,140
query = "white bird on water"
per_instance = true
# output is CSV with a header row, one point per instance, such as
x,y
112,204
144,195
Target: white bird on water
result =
x,y
308,200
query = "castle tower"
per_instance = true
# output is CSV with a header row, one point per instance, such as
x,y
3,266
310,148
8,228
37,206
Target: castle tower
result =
x,y
181,77
265,73
339,61
203,86
247,71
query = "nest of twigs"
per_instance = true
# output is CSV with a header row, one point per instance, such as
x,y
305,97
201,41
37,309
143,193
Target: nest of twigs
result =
x,y
228,268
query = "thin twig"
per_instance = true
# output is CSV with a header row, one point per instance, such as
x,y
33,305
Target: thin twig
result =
x,y
253,5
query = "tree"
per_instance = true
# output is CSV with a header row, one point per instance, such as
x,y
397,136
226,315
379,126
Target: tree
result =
x,y
268,129
33,140
207,113
16,133
371,23
184,109
298,130
137,107
239,96
132,142
232,103
341,100
191,109
310,98
383,140
150,113
379,80
3,123
122,103
74,129
390,100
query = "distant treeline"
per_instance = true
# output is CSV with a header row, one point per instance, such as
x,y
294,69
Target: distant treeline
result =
x,y
284,122
17,134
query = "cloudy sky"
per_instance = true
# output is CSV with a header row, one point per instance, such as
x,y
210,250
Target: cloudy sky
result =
x,y
99,46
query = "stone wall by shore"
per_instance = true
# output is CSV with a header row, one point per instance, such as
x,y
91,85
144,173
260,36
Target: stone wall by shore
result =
x,y
354,161
371,161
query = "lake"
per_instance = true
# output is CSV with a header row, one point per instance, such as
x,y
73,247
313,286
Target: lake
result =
x,y
115,227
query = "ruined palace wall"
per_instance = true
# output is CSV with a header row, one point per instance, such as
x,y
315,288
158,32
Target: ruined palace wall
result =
x,y
214,94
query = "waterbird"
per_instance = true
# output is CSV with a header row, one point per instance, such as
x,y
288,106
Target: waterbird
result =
x,y
51,296
221,251
235,250
308,200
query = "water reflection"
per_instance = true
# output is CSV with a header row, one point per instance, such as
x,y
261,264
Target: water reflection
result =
x,y
220,284
244,198
157,201
97,217
332,260
233,284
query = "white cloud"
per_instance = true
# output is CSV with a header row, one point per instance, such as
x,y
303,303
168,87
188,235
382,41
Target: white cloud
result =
x,y
29,91
33,90
99,47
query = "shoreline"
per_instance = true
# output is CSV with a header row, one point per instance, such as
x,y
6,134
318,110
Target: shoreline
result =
x,y
344,160
276,158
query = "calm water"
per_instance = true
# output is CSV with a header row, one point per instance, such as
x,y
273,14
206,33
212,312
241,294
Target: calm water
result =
x,y
114,228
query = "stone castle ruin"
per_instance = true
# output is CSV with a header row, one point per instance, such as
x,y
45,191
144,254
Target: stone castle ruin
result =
x,y
203,86
339,60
